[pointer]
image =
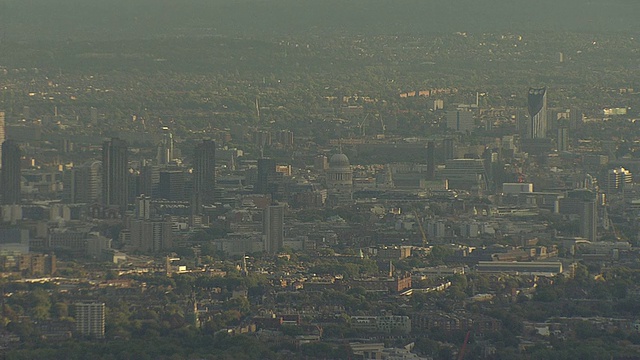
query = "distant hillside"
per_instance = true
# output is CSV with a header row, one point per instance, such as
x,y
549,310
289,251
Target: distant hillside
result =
x,y
115,19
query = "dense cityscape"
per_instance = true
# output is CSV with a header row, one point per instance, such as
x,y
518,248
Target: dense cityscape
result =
x,y
351,192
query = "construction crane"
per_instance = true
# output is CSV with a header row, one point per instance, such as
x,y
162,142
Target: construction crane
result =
x,y
362,125
464,346
424,235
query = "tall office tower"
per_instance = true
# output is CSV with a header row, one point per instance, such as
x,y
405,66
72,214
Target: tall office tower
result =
x,y
143,207
562,140
583,203
460,120
165,148
2,136
172,185
82,184
273,228
11,176
204,175
148,180
431,160
615,180
266,179
448,149
90,319
537,101
575,118
115,173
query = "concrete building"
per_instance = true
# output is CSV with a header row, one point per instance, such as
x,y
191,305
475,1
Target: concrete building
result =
x,y
90,319
151,236
10,177
273,228
460,120
389,324
115,174
465,174
82,184
2,133
615,180
204,175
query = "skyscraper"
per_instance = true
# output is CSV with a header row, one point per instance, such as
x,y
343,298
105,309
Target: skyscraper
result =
x,y
204,175
165,148
266,181
537,101
2,136
562,140
10,178
115,173
273,228
431,160
82,183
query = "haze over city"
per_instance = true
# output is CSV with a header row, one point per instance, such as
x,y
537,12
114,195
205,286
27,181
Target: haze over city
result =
x,y
281,179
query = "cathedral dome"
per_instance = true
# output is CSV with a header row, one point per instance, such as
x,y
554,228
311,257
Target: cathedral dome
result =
x,y
338,161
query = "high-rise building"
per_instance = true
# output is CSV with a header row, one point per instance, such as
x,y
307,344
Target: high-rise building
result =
x,y
165,148
615,180
460,120
562,140
115,173
448,149
431,160
82,184
266,177
90,319
151,236
2,135
11,175
172,185
273,228
537,104
204,175
583,203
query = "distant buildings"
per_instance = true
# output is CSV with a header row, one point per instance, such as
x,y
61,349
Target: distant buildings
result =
x,y
460,120
165,149
10,178
115,174
204,175
273,228
90,319
2,133
267,175
562,141
615,180
82,184
537,104
582,203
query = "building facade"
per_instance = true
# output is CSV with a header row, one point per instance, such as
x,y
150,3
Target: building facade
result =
x,y
115,174
10,179
537,105
90,319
